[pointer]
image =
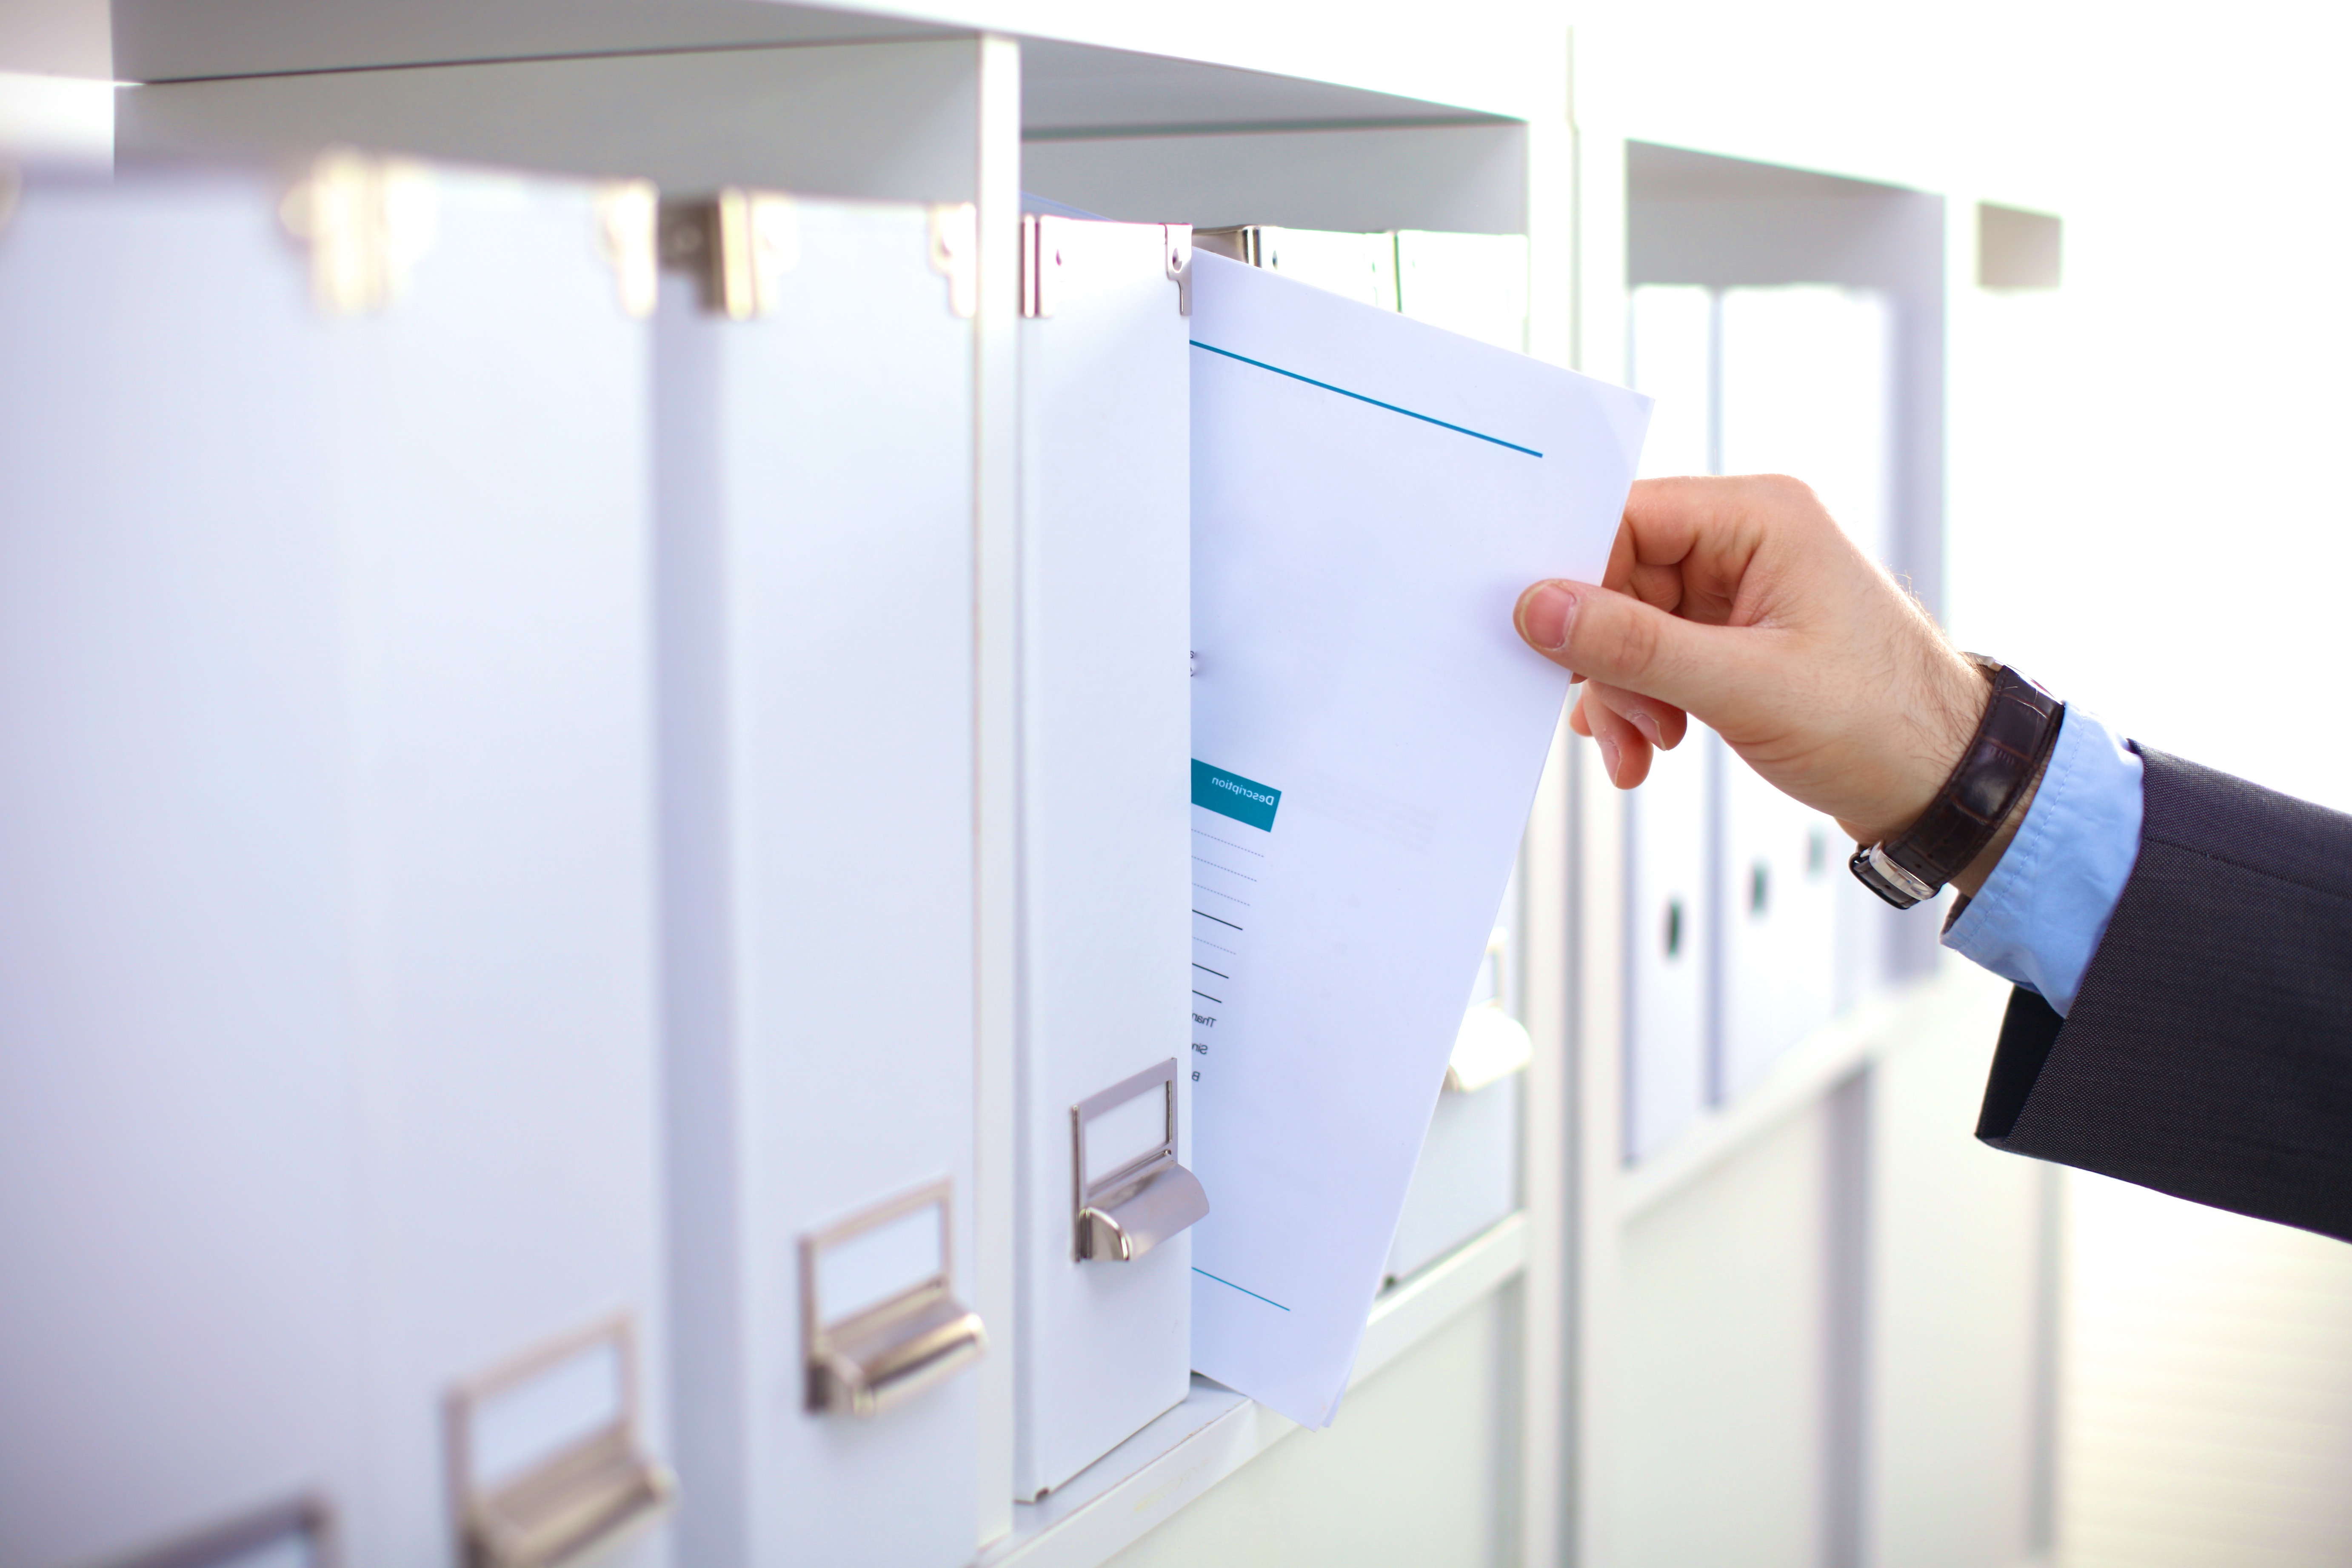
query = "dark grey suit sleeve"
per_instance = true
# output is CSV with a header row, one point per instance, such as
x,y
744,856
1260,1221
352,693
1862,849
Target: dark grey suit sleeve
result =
x,y
2209,1052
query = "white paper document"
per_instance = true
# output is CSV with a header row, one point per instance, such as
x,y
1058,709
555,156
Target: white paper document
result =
x,y
1370,495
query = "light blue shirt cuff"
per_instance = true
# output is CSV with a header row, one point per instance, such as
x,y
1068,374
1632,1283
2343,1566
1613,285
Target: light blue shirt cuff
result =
x,y
2042,912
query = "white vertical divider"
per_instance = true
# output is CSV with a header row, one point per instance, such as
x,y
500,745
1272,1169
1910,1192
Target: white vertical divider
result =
x,y
1547,1107
996,622
1597,948
1546,933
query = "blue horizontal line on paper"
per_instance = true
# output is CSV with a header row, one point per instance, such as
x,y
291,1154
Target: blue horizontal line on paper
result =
x,y
1376,402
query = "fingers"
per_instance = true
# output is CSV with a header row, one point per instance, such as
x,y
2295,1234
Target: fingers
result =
x,y
1660,724
1693,545
1617,641
1624,750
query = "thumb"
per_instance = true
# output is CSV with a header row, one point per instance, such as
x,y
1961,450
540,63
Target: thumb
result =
x,y
1616,639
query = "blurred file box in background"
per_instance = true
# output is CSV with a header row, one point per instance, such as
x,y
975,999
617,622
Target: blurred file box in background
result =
x,y
1742,377
1776,897
1805,385
814,427
1669,884
1106,838
329,1000
1805,373
1670,879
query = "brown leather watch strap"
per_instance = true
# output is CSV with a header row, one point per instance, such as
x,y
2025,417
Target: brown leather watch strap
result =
x,y
2014,739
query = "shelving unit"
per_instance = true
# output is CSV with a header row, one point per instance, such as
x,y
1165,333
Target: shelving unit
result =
x,y
1101,109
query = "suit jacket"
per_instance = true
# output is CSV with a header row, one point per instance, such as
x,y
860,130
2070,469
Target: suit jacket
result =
x,y
2209,1052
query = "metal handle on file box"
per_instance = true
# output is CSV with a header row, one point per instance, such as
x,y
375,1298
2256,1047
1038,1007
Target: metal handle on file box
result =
x,y
737,244
587,1487
367,220
1125,1226
1142,1200
301,1530
867,1367
1246,244
871,1355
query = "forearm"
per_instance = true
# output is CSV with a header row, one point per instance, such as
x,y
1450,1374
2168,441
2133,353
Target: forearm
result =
x,y
2208,1050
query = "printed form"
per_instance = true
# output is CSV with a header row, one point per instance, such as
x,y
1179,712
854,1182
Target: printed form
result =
x,y
1370,495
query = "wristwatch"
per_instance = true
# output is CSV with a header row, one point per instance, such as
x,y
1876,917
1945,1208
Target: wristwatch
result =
x,y
2013,739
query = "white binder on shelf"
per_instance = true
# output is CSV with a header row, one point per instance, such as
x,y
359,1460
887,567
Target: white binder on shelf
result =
x,y
1669,918
1104,1245
331,1029
1805,386
1671,331
1777,886
1806,375
814,431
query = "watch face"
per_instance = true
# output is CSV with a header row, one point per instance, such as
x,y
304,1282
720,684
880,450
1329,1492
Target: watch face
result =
x,y
1884,877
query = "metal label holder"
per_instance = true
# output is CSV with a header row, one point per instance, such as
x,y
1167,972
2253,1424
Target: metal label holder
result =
x,y
588,1492
868,1360
1124,1213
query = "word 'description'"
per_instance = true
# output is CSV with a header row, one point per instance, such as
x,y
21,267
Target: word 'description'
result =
x,y
1231,795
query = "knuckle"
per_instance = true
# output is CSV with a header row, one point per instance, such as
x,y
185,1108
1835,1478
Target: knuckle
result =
x,y
1794,500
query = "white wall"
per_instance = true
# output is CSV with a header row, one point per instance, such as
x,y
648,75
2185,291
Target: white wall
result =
x,y
2208,1412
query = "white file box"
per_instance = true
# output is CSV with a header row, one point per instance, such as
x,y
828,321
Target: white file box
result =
x,y
1805,386
1467,1178
1107,1048
330,1040
1805,381
1777,892
815,440
1668,916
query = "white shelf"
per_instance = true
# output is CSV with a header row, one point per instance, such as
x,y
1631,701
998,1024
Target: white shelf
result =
x,y
1215,1431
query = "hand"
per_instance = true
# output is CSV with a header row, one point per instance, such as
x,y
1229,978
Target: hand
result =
x,y
1741,602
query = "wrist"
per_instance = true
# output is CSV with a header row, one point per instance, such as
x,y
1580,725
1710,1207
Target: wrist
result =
x,y
1937,725
1966,827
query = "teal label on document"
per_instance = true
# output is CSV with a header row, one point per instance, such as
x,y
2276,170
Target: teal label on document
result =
x,y
1231,795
